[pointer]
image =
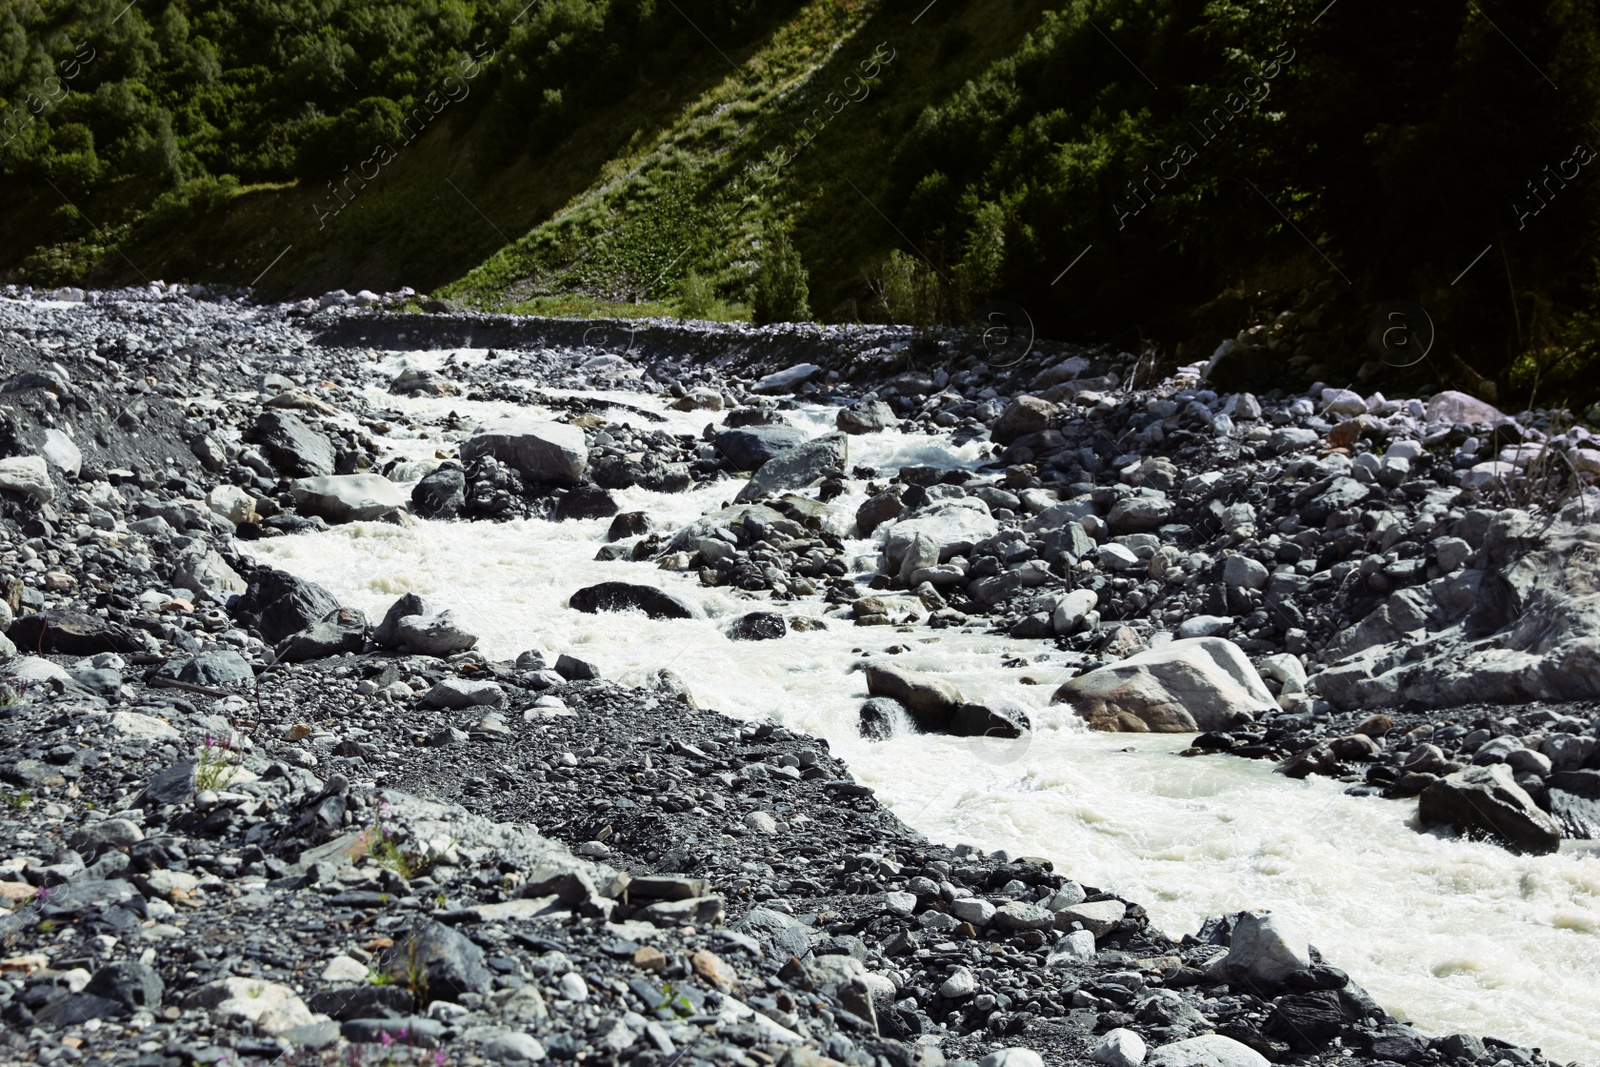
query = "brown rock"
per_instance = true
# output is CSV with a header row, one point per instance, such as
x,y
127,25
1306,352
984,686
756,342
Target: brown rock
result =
x,y
649,958
1378,725
709,965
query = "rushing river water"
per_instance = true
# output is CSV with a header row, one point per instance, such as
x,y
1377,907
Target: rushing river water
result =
x,y
1453,936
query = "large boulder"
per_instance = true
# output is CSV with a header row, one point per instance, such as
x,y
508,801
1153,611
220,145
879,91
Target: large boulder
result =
x,y
433,635
796,468
931,701
1024,415
343,498
865,416
954,525
1488,801
1265,947
295,449
1451,407
28,475
1204,683
207,574
72,633
787,380
549,453
344,630
1207,1050
452,963
440,494
748,448
279,604
626,596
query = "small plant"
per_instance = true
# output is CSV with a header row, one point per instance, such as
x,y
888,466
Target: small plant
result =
x,y
377,977
48,926
416,974
18,800
218,764
675,1001
387,852
697,296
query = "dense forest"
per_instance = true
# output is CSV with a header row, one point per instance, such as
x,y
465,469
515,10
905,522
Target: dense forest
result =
x,y
1145,172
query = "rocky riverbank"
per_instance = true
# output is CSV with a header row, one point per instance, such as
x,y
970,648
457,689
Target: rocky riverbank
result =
x,y
246,823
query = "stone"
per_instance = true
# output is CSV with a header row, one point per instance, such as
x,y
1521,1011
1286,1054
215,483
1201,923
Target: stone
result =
x,y
1099,917
463,693
440,494
95,837
930,700
342,498
415,381
1012,1057
748,448
787,380
796,468
344,630
1452,407
871,416
130,983
972,910
1076,947
961,983
294,448
1024,415
270,1007
1204,626
1488,801
387,633
1139,513
208,574
72,633
627,596
878,717
1242,572
1017,915
452,963
513,1047
1265,947
279,604
546,453
28,475
955,526
696,911
1007,719
434,635
1208,1050
1119,1048
232,503
758,626
61,452
1071,613
344,969
1188,685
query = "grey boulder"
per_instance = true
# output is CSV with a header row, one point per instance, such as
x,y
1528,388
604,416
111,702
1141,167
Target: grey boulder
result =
x,y
342,498
549,453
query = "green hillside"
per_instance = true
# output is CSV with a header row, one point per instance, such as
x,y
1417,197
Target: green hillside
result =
x,y
1146,172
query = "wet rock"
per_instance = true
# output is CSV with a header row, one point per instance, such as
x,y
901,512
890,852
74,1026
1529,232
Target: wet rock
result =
x,y
342,498
748,448
796,468
931,701
441,494
758,626
998,719
585,502
546,453
414,381
1186,686
626,596
878,717
866,416
629,524
1488,801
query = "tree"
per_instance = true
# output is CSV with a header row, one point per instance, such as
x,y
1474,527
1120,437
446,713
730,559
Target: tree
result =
x,y
782,286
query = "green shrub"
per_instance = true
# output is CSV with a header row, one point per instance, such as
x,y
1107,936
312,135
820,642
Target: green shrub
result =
x,y
697,297
782,285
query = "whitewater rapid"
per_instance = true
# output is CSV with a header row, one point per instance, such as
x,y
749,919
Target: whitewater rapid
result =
x,y
1453,936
